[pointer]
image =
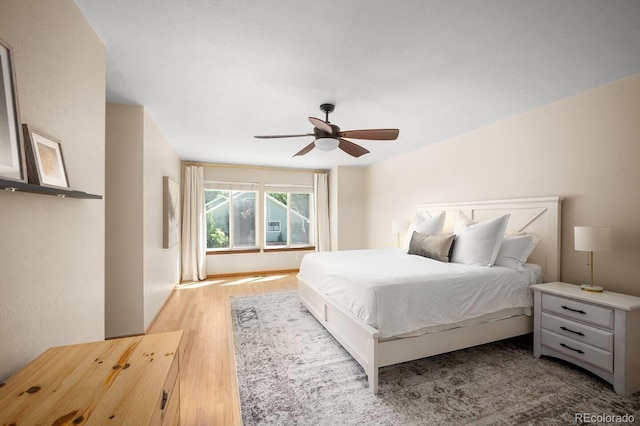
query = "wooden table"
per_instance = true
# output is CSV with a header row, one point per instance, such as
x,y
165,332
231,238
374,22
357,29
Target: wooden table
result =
x,y
133,380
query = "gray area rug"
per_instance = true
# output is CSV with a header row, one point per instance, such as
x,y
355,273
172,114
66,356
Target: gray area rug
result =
x,y
292,372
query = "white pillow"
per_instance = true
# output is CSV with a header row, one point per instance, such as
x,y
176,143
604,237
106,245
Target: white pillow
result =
x,y
424,223
515,251
479,243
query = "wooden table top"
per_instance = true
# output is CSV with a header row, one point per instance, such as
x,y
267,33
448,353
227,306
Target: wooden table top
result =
x,y
91,383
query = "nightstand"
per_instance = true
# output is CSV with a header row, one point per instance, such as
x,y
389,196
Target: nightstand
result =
x,y
599,332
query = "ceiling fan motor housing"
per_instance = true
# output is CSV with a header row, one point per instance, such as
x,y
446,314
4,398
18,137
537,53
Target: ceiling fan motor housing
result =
x,y
319,133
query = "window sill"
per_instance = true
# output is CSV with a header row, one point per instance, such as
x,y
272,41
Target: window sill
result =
x,y
258,250
233,251
300,248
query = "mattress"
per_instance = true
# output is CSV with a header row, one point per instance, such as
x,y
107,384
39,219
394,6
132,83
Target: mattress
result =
x,y
401,294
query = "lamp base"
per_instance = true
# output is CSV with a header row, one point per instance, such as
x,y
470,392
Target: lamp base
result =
x,y
594,288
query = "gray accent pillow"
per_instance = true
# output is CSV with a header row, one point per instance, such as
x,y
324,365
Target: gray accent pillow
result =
x,y
435,247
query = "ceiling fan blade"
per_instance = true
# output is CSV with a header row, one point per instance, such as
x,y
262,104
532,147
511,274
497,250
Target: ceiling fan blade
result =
x,y
283,136
351,148
320,124
306,149
372,134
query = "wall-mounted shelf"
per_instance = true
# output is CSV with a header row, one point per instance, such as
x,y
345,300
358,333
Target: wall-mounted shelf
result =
x,y
13,186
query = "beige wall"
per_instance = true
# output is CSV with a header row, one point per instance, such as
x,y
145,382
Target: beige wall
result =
x,y
124,220
52,249
585,148
140,272
347,207
333,208
161,265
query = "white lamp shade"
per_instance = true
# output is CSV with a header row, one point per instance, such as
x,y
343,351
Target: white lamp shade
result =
x,y
326,144
591,238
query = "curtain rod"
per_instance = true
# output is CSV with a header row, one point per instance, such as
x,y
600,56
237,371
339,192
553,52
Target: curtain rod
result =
x,y
240,166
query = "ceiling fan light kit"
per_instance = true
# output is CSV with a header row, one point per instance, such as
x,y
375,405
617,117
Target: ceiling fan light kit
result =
x,y
326,144
329,136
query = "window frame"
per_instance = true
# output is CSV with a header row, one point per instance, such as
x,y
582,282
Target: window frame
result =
x,y
311,219
233,249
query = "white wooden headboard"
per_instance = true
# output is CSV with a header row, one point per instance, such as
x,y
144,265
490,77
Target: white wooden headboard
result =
x,y
537,216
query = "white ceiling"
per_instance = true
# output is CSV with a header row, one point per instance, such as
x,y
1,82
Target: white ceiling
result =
x,y
214,73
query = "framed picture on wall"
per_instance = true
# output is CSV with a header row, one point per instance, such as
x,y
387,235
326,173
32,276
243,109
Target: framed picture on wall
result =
x,y
171,212
45,164
12,158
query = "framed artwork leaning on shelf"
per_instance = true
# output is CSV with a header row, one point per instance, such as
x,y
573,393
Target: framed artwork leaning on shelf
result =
x,y
12,158
45,163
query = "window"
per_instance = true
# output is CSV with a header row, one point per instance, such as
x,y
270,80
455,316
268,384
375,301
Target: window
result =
x,y
250,216
231,219
288,219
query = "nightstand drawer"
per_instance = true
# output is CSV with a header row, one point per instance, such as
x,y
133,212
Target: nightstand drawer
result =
x,y
580,311
577,331
172,413
573,348
169,397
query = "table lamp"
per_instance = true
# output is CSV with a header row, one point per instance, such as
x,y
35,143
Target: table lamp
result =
x,y
590,239
397,226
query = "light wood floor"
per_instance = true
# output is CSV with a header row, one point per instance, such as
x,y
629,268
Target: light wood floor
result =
x,y
208,387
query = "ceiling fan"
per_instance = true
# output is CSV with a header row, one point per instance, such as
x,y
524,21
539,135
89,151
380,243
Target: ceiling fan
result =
x,y
329,136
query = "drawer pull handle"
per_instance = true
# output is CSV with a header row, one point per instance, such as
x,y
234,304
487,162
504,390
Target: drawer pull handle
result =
x,y
573,310
165,396
569,347
571,331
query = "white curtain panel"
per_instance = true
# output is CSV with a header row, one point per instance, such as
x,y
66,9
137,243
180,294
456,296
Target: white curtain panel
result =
x,y
194,242
321,201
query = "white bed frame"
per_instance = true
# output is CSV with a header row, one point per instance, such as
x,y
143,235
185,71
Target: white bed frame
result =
x,y
538,216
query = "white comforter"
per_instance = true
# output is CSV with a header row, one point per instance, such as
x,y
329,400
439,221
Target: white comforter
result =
x,y
398,293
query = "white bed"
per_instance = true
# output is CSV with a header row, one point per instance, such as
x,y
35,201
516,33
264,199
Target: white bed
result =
x,y
384,309
400,295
